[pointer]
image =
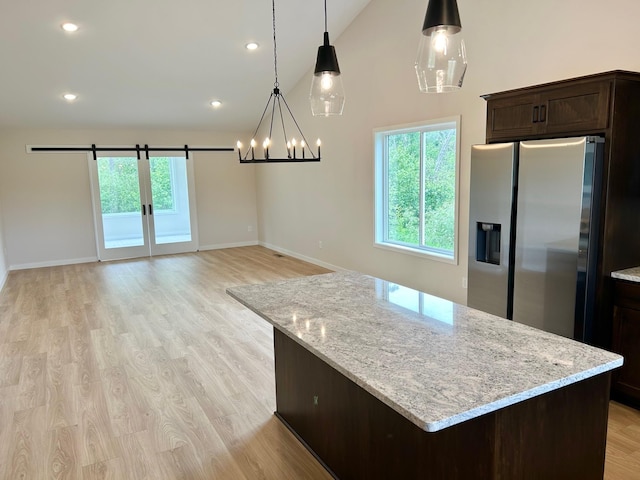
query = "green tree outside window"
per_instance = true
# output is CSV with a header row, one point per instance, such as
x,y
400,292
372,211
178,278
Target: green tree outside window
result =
x,y
120,190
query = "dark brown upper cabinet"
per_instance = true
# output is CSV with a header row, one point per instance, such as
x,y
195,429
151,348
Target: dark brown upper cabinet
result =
x,y
539,112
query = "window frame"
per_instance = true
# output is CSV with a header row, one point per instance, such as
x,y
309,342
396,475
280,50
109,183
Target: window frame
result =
x,y
381,189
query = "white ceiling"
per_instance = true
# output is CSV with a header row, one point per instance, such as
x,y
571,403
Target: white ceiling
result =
x,y
155,63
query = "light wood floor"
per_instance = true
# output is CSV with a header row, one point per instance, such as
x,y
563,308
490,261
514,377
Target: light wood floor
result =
x,y
146,369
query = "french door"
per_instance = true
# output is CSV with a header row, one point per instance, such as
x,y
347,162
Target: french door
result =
x,y
143,207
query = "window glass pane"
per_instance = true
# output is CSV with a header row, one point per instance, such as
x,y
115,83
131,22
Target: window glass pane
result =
x,y
403,188
439,188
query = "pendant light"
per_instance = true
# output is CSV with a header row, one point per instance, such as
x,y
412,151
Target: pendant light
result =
x,y
327,93
283,148
442,59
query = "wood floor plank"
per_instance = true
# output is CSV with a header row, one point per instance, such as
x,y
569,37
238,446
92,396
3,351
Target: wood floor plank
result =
x,y
61,407
10,368
62,459
32,384
181,463
138,457
8,403
146,368
26,457
97,439
58,345
113,469
105,349
127,413
83,359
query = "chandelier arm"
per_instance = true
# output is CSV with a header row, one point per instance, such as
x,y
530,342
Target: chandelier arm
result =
x,y
273,112
298,126
259,123
263,114
284,130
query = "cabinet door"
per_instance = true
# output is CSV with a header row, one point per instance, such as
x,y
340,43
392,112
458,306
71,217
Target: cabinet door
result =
x,y
626,342
513,117
577,108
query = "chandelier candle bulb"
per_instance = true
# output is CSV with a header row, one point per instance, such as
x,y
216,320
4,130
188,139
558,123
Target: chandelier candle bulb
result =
x,y
318,143
239,145
265,145
253,145
302,144
293,142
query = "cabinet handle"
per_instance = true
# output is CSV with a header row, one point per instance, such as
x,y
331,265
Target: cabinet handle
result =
x,y
543,113
144,209
150,210
535,114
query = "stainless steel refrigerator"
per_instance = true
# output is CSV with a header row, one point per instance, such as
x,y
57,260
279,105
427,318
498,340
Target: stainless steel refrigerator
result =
x,y
534,209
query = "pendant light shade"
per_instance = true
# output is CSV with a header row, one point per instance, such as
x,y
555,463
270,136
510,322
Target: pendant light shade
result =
x,y
327,92
442,58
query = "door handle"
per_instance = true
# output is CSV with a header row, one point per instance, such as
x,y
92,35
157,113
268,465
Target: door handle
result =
x,y
144,209
150,210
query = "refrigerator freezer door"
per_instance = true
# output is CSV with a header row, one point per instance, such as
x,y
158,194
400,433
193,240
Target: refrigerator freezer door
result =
x,y
550,193
492,177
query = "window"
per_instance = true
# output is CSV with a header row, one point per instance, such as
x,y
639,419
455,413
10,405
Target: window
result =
x,y
416,188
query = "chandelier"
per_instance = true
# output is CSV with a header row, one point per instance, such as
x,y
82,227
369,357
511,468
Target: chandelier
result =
x,y
282,147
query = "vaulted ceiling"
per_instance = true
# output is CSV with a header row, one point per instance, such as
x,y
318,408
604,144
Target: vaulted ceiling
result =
x,y
154,63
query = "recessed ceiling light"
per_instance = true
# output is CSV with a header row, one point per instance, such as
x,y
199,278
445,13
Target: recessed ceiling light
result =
x,y
251,46
69,27
216,103
70,97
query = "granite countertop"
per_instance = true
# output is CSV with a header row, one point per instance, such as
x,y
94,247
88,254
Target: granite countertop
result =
x,y
630,274
435,362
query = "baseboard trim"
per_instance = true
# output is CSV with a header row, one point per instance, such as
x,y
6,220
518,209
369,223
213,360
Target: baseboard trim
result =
x,y
299,256
220,246
53,263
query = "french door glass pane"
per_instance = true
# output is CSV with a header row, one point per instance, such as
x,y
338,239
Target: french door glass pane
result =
x,y
120,201
170,193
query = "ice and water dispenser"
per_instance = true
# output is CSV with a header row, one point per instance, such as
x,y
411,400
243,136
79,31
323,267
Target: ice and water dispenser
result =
x,y
488,242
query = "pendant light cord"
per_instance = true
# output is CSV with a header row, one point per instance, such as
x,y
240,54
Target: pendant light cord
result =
x,y
325,16
276,84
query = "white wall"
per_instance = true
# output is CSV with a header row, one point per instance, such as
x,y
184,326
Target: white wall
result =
x,y
510,44
46,197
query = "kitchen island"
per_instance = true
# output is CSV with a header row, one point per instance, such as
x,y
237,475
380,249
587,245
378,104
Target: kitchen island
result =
x,y
381,381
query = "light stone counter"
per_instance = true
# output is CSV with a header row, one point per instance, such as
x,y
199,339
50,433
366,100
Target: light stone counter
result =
x,y
630,274
435,362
